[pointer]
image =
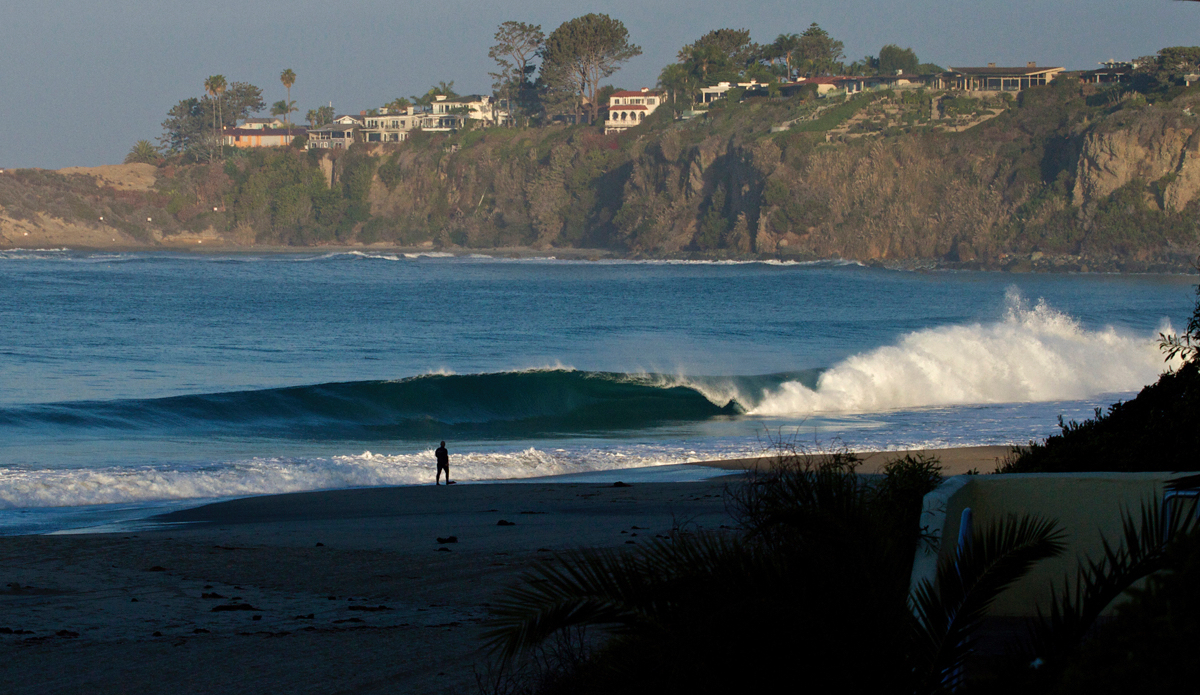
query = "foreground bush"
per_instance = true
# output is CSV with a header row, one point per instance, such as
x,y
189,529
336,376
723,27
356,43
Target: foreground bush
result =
x,y
813,590
1156,431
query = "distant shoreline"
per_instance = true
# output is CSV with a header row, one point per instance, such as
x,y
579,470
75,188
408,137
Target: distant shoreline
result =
x,y
1051,264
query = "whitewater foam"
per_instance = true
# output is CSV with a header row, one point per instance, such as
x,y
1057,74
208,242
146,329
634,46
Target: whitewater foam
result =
x,y
25,489
1034,354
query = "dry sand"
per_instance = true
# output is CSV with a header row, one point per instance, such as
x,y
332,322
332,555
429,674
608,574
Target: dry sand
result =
x,y
128,612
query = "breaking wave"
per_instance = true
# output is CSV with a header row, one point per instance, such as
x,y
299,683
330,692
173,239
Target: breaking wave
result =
x,y
1034,354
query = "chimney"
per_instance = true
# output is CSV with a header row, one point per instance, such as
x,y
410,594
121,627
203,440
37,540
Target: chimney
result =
x,y
991,65
1031,64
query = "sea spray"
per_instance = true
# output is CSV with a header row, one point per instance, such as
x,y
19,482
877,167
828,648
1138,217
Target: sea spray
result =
x,y
34,488
1034,354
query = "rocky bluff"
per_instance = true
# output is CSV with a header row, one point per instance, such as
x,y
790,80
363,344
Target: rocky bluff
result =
x,y
1056,178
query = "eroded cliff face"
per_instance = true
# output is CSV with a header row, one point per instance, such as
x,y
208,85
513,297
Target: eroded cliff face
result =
x,y
1050,176
1155,146
974,198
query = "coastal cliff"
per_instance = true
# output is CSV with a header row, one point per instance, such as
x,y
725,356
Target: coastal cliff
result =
x,y
1047,180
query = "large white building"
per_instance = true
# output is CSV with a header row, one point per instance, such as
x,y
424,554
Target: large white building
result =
x,y
627,109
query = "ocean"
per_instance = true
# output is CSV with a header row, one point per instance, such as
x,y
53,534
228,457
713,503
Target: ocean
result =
x,y
132,383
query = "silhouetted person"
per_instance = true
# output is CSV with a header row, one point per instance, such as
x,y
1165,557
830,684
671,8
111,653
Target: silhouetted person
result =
x,y
443,463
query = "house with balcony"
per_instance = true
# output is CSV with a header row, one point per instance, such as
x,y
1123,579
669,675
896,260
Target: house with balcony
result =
x,y
996,79
477,107
627,109
335,136
1111,71
390,125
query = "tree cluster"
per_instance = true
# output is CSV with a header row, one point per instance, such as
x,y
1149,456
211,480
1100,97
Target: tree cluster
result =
x,y
191,126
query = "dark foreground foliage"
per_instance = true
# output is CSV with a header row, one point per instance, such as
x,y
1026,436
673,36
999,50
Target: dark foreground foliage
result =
x,y
814,589
1156,431
1152,644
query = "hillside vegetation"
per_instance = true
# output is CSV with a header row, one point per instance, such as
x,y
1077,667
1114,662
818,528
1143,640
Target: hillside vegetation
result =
x,y
1060,177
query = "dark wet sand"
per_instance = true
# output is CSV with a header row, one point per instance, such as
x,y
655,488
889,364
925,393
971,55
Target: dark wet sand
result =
x,y
81,611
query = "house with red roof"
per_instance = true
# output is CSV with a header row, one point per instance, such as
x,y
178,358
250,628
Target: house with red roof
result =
x,y
627,109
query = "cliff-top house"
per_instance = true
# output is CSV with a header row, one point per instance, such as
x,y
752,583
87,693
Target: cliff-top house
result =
x,y
627,109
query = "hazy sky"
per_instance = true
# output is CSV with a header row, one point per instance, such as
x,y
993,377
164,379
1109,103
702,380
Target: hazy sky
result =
x,y
82,80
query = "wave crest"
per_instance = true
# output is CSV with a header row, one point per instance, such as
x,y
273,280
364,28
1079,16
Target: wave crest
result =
x,y
1034,354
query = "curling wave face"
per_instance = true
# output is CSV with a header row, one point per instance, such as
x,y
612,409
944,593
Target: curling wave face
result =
x,y
501,405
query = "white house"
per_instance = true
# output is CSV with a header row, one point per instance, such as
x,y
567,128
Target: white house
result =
x,y
627,109
710,94
477,107
262,123
389,125
335,136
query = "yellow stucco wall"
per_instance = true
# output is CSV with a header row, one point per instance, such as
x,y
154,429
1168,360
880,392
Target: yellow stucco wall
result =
x,y
1086,505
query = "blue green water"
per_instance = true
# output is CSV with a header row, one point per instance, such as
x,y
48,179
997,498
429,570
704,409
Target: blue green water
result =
x,y
133,380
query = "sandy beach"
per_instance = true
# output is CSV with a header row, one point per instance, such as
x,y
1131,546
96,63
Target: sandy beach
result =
x,y
336,591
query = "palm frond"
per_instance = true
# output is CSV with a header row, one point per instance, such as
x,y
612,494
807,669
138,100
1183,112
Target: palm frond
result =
x,y
1073,611
968,582
634,591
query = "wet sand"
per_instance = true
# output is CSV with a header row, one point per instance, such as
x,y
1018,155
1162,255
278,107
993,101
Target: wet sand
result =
x,y
335,591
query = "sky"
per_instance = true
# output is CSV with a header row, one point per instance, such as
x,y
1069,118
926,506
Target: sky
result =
x,y
82,80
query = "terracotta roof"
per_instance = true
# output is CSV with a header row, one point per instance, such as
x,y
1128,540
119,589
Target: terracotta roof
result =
x,y
628,93
634,107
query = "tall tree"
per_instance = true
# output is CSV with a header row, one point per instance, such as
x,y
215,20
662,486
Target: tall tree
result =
x,y
285,109
732,48
582,52
820,51
214,86
517,44
188,129
784,48
678,82
184,129
241,99
703,61
893,59
398,104
443,89
288,78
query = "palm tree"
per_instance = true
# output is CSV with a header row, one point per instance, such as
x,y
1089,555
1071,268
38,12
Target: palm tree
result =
x,y
284,108
288,78
822,570
785,46
143,152
215,87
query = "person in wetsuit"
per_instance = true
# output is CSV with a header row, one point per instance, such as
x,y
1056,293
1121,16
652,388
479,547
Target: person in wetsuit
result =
x,y
443,463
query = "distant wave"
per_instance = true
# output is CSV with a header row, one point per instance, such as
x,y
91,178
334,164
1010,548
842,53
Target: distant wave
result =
x,y
500,405
1034,354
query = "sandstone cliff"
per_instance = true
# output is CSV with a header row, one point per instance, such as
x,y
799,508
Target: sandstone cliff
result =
x,y
1049,179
